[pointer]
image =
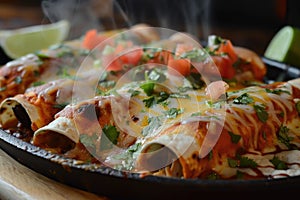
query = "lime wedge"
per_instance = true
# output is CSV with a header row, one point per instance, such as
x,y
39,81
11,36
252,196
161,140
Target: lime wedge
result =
x,y
285,46
22,41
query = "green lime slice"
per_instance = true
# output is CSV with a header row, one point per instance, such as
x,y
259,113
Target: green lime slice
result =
x,y
285,46
19,42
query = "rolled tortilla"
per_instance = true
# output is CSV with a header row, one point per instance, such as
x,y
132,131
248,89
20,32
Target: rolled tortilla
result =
x,y
34,69
259,137
37,106
77,122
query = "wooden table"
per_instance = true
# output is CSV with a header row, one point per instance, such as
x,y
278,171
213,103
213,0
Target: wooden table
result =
x,y
18,182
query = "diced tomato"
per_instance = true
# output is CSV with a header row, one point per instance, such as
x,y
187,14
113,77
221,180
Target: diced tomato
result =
x,y
133,57
111,63
224,67
92,39
182,66
228,48
216,89
161,57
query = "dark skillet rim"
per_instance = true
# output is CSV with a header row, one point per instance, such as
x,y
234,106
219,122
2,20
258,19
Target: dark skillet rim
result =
x,y
69,164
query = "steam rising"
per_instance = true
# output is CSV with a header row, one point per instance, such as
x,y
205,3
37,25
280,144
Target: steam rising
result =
x,y
190,16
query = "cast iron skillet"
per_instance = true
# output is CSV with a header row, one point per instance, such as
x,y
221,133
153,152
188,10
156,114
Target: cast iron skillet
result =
x,y
120,185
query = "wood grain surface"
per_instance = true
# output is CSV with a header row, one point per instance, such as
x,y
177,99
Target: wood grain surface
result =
x,y
18,182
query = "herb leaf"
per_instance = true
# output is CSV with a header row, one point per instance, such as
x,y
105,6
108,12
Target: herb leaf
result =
x,y
283,137
60,105
242,162
89,141
149,102
261,112
173,112
153,124
247,162
278,164
111,133
243,99
234,137
148,87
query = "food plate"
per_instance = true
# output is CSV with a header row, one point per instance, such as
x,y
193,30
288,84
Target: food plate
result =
x,y
124,185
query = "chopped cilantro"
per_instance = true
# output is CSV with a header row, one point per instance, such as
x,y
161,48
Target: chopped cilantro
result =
x,y
63,72
89,141
261,112
153,124
108,50
134,92
38,83
277,91
60,105
155,75
107,84
149,101
241,162
247,162
195,55
148,87
134,148
111,133
162,96
243,99
196,81
213,176
283,137
234,137
179,96
239,174
173,112
278,164
232,163
195,114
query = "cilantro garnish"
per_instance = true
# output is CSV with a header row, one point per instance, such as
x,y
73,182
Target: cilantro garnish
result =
x,y
261,112
149,101
213,176
195,55
283,137
234,137
89,141
111,133
148,87
241,162
243,99
60,105
38,83
277,91
153,124
173,112
278,164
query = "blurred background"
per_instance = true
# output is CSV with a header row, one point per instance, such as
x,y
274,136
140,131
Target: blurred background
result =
x,y
249,23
